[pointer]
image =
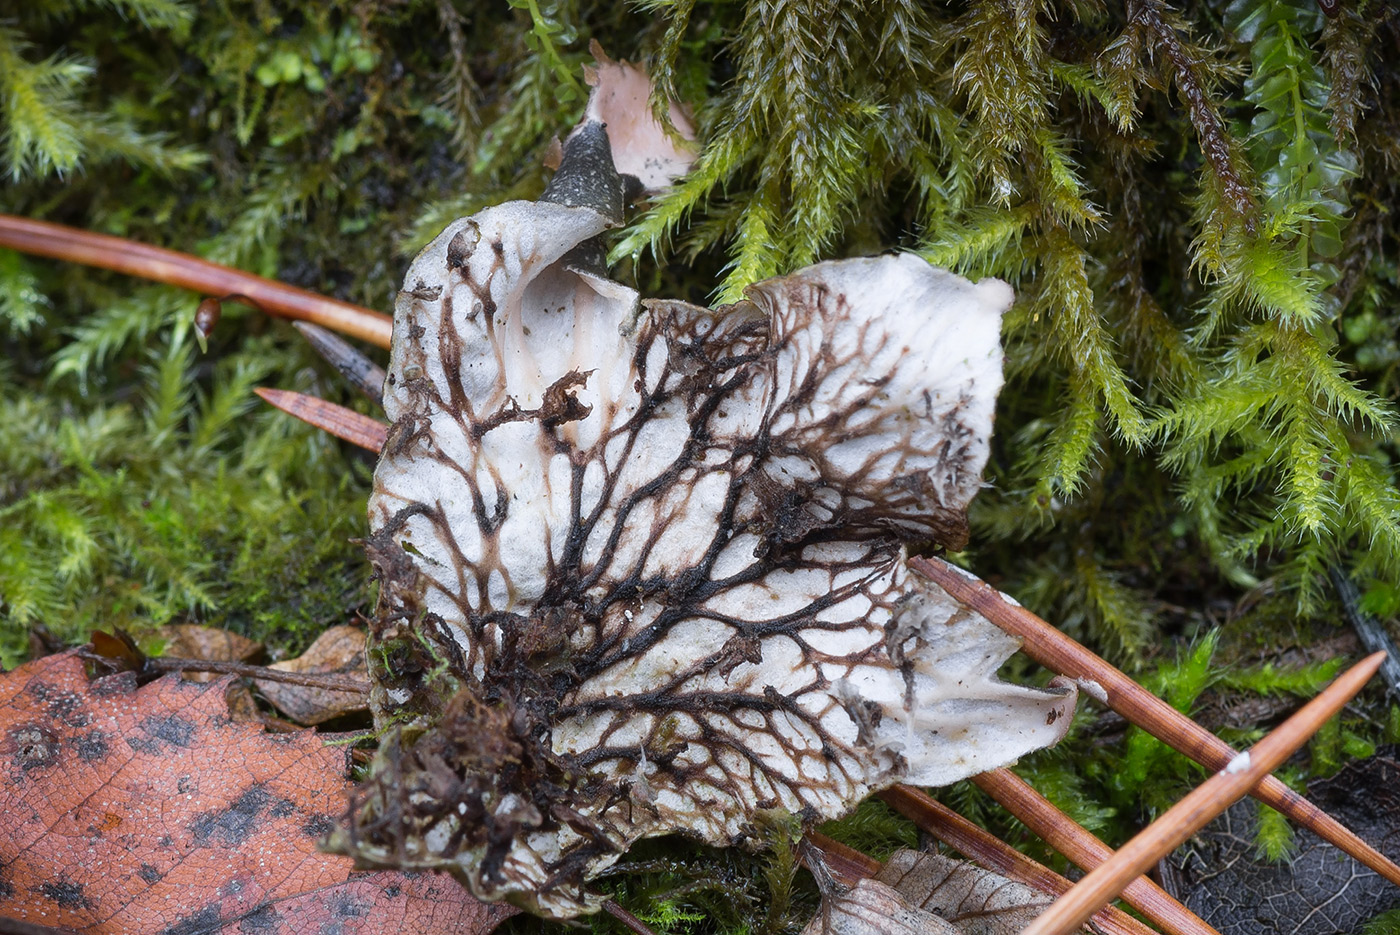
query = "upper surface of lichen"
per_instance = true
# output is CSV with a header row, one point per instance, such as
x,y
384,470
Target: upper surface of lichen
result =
x,y
660,550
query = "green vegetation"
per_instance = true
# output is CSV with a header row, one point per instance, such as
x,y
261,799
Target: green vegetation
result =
x,y
1195,203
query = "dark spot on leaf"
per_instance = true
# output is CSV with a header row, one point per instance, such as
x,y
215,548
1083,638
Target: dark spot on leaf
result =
x,y
7,889
204,921
149,873
165,840
183,784
122,683
34,747
318,826
173,731
92,746
392,891
66,893
262,919
232,826
68,708
281,808
345,906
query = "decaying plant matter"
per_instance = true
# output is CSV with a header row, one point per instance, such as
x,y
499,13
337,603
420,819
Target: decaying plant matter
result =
x,y
641,565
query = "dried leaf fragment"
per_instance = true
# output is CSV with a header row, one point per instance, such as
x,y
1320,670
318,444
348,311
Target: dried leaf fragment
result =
x,y
192,641
919,892
975,900
143,810
874,908
641,147
340,650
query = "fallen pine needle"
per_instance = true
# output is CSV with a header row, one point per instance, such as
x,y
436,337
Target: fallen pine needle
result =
x,y
341,422
42,238
1200,806
991,852
628,920
846,865
1096,678
1086,851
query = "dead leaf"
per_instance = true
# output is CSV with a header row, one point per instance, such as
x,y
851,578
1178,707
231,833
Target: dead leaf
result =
x,y
977,901
191,641
874,908
1318,890
242,707
338,651
143,810
641,147
928,894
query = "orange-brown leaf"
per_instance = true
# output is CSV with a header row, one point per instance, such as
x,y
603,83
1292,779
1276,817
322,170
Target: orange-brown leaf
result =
x,y
147,810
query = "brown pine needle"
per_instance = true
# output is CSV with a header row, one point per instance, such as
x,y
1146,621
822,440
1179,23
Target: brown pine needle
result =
x,y
1086,851
1200,805
846,865
41,238
629,921
341,422
1062,655
996,855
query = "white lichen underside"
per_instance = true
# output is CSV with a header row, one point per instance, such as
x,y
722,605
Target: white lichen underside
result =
x,y
714,522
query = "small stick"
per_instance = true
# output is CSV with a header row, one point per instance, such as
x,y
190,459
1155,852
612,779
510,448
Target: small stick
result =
x,y
626,918
1373,635
341,422
996,855
190,272
362,373
1086,851
1200,805
1062,655
330,682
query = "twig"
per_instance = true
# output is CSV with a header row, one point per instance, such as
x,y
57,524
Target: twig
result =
x,y
190,272
626,918
1097,678
341,422
361,372
1086,851
335,683
996,855
1373,635
1201,805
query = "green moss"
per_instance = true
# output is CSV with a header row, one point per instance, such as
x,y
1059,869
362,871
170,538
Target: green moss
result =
x,y
1387,923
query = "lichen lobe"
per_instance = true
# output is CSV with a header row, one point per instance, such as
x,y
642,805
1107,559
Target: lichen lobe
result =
x,y
642,566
